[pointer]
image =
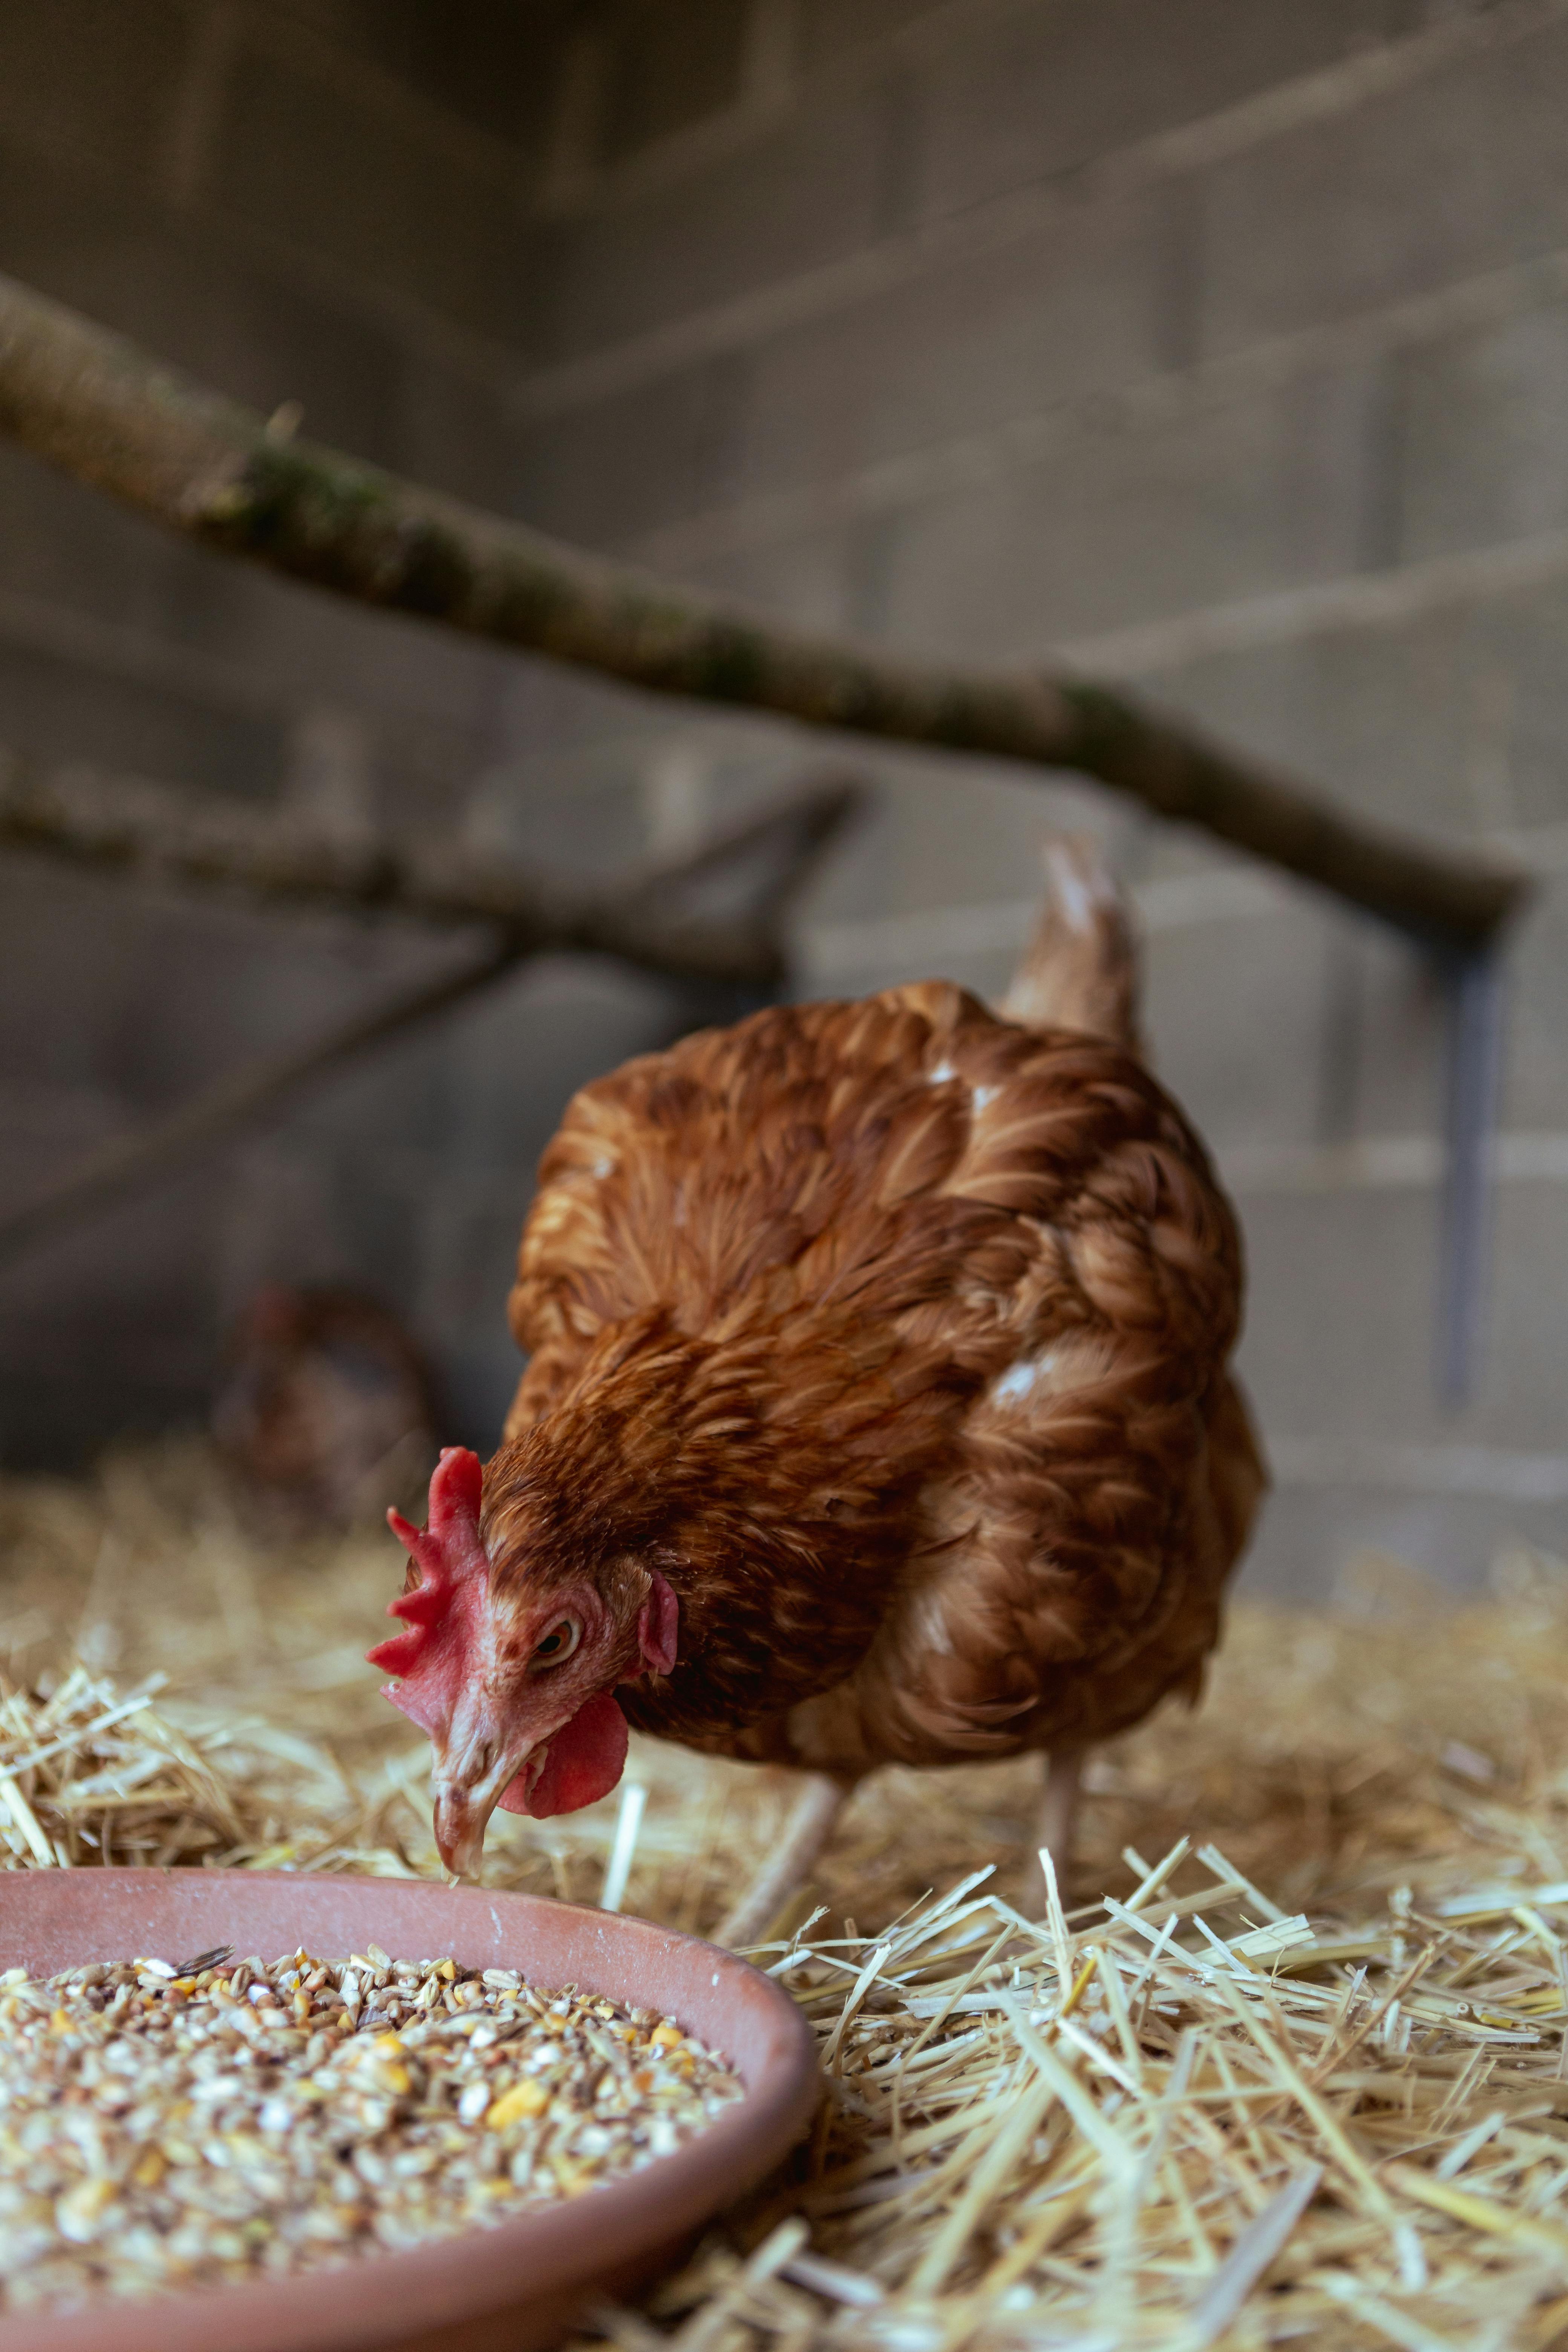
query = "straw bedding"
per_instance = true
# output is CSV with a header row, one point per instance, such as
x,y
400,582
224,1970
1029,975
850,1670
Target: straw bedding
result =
x,y
1285,2062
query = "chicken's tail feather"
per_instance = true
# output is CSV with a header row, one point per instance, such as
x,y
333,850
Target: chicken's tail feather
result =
x,y
1080,968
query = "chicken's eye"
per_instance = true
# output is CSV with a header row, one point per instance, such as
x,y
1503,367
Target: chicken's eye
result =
x,y
558,1644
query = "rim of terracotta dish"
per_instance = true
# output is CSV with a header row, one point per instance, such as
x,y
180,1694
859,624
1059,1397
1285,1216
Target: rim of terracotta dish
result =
x,y
374,2298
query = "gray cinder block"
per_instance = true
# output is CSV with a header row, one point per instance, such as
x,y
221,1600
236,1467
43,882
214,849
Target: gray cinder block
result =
x,y
1457,172
1262,493
1039,90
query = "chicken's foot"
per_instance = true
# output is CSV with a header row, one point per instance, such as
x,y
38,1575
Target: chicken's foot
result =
x,y
1054,1824
822,1798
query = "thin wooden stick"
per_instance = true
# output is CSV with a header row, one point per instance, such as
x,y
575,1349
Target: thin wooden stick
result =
x,y
151,833
803,825
126,1162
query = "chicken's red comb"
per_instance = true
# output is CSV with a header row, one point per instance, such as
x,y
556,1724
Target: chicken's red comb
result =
x,y
446,1550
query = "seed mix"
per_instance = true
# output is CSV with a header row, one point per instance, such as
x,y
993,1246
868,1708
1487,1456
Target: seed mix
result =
x,y
169,2125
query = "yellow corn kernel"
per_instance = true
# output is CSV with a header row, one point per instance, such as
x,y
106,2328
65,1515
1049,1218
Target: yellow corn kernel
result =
x,y
667,2037
150,2170
525,2099
78,2207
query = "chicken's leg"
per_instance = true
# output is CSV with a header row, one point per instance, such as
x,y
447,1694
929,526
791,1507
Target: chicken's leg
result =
x,y
822,1798
1054,1824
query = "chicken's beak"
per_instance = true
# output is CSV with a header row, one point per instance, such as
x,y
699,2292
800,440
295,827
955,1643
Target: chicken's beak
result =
x,y
464,1802
461,1819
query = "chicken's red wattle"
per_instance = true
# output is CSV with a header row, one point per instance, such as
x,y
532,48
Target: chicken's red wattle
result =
x,y
583,1762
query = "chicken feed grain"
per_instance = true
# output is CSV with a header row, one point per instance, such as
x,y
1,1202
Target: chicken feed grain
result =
x,y
167,2123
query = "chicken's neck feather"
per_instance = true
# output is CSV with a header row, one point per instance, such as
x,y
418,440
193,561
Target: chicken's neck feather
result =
x,y
771,1473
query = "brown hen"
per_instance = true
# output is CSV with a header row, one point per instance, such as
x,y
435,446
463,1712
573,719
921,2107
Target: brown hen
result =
x,y
877,1408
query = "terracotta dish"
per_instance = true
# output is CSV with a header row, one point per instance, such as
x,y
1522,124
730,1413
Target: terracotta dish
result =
x,y
507,2289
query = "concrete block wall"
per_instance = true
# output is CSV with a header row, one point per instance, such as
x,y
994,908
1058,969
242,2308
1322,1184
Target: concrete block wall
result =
x,y
1216,345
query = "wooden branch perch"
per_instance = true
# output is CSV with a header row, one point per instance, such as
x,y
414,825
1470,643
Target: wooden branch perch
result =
x,y
122,826
159,834
96,406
